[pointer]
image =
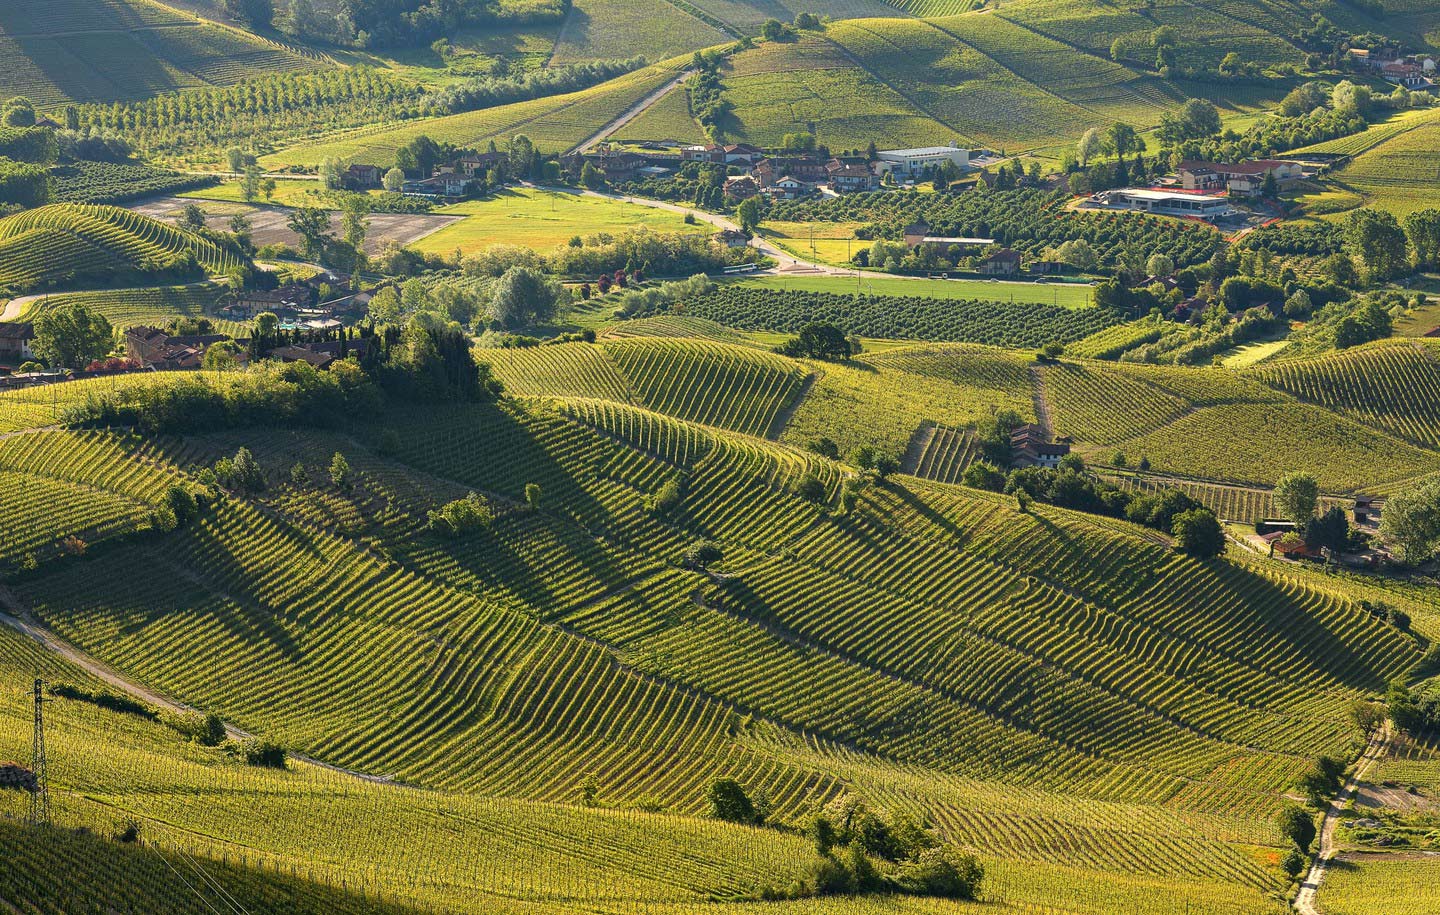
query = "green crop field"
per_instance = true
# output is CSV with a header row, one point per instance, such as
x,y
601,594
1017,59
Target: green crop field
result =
x,y
668,119
1008,675
542,219
67,243
1013,80
1392,386
1358,884
1062,295
676,602
118,50
702,649
601,29
554,123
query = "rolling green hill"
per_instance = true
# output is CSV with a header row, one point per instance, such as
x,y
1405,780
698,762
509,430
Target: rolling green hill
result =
x,y
70,244
118,50
1011,676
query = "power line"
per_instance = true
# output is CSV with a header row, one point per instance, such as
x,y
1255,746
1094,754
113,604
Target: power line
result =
x,y
40,797
188,885
213,883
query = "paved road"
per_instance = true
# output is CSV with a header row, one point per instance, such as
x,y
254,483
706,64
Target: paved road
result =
x,y
1305,899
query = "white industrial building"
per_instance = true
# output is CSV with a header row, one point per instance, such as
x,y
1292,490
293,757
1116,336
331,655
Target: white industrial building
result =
x,y
912,163
1166,203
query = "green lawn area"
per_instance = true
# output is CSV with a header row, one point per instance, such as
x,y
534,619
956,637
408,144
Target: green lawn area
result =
x,y
1249,354
541,219
1065,295
288,192
825,242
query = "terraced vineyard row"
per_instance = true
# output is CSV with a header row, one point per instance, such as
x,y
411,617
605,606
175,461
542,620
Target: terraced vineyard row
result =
x,y
1395,386
65,242
944,454
155,305
900,317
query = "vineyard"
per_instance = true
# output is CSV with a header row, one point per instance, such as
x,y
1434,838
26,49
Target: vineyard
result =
x,y
1399,173
117,50
1393,386
125,308
68,244
1229,503
715,384
1018,324
932,649
554,123
941,454
1027,220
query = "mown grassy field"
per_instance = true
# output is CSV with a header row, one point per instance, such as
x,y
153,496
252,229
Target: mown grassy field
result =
x,y
542,219
119,50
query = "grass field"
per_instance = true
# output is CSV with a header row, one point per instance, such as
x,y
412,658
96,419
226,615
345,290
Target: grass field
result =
x,y
119,50
1066,295
542,219
290,193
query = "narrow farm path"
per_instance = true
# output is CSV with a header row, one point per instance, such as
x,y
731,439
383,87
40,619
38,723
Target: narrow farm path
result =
x,y
787,412
633,112
17,616
1378,747
1040,395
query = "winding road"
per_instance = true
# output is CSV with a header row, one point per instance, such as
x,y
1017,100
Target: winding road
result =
x,y
1379,745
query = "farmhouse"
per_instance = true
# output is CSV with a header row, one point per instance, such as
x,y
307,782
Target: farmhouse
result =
x,y
1001,263
1244,179
739,187
15,340
470,166
1169,203
448,184
732,239
788,188
362,177
848,178
912,163
154,348
251,302
1031,447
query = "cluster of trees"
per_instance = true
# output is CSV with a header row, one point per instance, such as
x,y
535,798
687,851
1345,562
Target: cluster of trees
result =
x,y
1384,247
394,23
1297,495
861,850
820,341
708,104
26,154
1195,528
1411,522
1415,711
460,517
